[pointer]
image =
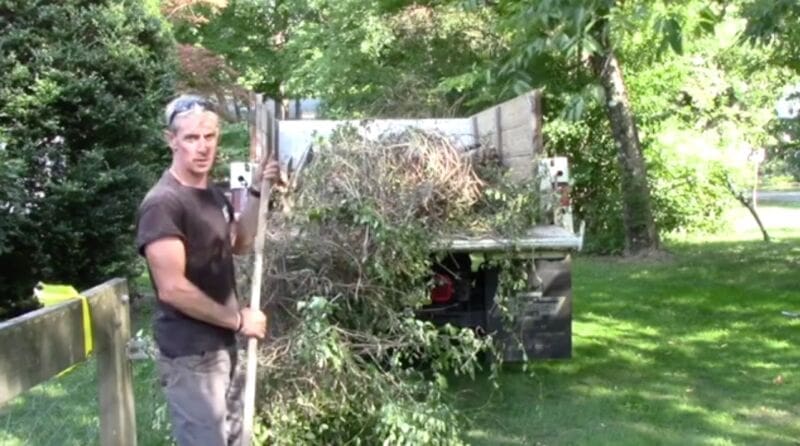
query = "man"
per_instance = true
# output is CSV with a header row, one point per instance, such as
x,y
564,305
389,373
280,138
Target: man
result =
x,y
186,231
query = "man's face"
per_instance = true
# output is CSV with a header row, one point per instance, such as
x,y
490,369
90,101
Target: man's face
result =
x,y
194,142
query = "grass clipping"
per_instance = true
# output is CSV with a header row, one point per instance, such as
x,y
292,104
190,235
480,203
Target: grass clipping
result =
x,y
347,361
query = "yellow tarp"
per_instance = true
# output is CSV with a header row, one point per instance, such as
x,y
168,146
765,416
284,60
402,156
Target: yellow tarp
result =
x,y
50,294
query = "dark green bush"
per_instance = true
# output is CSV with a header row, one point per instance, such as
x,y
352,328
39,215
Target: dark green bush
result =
x,y
596,194
82,84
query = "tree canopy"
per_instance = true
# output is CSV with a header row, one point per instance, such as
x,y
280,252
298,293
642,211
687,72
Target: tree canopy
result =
x,y
675,61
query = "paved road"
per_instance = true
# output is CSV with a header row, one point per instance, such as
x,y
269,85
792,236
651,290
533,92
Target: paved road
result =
x,y
789,196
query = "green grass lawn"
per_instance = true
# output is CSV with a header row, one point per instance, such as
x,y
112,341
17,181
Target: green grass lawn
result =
x,y
689,351
64,411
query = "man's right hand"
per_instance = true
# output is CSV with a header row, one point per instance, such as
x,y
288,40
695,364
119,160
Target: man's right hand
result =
x,y
254,323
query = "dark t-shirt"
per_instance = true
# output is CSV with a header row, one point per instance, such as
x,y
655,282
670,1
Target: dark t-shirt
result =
x,y
201,218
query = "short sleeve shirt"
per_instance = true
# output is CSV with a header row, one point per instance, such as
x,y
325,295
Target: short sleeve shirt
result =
x,y
201,219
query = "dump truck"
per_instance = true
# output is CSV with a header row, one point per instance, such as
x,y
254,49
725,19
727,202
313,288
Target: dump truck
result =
x,y
464,294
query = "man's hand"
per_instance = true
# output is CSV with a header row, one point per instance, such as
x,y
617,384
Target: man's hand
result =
x,y
254,323
268,169
244,230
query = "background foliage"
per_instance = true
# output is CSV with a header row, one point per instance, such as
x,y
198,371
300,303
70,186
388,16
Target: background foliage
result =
x,y
415,59
694,70
82,84
769,24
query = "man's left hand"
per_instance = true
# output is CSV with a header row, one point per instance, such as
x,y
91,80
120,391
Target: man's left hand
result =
x,y
269,169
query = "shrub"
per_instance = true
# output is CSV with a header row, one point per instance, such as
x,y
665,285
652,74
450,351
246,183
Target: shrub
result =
x,y
686,190
596,194
82,84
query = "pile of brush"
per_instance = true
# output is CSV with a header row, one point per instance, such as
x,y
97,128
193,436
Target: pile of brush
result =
x,y
345,271
407,177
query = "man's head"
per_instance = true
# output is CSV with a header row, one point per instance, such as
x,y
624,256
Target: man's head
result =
x,y
192,134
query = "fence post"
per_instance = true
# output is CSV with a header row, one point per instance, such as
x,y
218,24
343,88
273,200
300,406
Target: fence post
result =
x,y
112,329
538,122
498,137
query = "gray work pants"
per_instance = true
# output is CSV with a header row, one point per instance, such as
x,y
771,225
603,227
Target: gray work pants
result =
x,y
204,395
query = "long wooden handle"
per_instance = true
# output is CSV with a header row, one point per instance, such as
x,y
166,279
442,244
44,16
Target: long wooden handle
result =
x,y
255,303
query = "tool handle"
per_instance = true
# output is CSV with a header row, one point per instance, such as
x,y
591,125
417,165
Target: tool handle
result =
x,y
262,145
255,303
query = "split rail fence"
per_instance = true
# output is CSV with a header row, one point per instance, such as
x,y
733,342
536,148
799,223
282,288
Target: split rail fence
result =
x,y
41,344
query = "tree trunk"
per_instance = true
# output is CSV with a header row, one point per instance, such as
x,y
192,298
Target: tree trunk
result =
x,y
236,109
754,213
641,235
223,111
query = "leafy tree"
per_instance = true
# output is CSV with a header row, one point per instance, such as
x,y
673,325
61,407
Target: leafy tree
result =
x,y
388,57
208,73
82,84
391,58
243,40
772,24
395,57
707,113
585,38
589,43
191,11
203,69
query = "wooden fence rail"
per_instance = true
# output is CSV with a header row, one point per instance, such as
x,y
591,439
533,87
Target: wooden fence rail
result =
x,y
38,345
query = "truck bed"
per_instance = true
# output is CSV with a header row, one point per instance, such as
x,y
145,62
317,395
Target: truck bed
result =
x,y
543,237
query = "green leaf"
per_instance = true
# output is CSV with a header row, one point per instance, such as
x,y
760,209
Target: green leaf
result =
x,y
476,260
673,35
591,45
708,20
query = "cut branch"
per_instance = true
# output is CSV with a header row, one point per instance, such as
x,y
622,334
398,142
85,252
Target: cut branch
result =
x,y
748,203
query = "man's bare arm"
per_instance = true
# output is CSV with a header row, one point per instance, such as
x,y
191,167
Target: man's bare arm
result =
x,y
167,260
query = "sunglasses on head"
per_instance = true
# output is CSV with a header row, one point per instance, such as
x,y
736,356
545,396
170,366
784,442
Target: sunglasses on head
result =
x,y
185,105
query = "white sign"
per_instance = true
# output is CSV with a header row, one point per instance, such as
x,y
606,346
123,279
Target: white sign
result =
x,y
788,106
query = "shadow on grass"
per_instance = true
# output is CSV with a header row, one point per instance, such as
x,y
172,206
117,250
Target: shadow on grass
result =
x,y
64,410
64,413
693,350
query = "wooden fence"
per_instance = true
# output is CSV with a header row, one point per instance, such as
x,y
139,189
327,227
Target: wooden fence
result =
x,y
39,345
263,126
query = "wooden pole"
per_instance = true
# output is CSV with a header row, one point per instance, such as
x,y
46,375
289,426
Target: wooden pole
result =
x,y
252,122
498,137
112,329
538,122
255,291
